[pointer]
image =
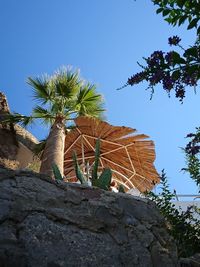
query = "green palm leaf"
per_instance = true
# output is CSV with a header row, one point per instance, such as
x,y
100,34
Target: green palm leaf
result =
x,y
42,91
89,102
18,118
66,83
45,115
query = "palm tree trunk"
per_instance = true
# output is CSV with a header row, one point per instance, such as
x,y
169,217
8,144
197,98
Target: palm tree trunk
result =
x,y
54,149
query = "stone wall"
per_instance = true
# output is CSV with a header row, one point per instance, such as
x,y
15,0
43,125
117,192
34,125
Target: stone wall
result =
x,y
49,223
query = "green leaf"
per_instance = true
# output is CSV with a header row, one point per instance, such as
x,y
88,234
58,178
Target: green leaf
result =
x,y
177,59
166,12
182,20
121,189
89,102
198,31
169,20
79,174
159,10
174,20
180,3
17,118
176,74
56,172
192,69
104,180
41,90
193,24
191,52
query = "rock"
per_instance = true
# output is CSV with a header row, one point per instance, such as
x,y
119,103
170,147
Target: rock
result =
x,y
45,223
193,261
8,140
16,143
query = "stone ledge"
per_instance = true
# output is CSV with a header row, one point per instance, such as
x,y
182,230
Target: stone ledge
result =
x,y
49,223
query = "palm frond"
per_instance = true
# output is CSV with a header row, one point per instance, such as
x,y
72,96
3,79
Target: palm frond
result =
x,y
56,107
46,116
65,94
66,83
89,102
42,90
18,118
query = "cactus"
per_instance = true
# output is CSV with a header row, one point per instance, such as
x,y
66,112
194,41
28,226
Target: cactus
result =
x,y
121,189
104,180
80,176
56,172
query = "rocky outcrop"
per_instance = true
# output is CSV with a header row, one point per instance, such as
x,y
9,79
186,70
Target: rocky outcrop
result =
x,y
8,140
16,143
46,223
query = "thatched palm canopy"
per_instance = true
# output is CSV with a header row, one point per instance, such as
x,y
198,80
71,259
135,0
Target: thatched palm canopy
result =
x,y
130,156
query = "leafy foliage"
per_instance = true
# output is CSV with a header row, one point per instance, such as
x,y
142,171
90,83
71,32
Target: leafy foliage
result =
x,y
183,226
177,12
174,70
192,152
103,180
62,96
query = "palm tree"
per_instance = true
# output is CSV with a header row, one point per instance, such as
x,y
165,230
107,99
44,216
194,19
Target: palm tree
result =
x,y
62,97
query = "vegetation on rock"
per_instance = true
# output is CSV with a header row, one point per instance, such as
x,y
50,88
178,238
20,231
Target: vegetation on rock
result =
x,y
102,180
184,226
62,97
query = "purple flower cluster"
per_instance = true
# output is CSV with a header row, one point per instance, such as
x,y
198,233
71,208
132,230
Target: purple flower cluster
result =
x,y
190,135
169,57
137,78
155,59
190,80
156,77
193,147
180,92
193,150
170,69
175,40
168,81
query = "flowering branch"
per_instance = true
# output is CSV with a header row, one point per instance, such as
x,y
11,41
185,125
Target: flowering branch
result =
x,y
172,70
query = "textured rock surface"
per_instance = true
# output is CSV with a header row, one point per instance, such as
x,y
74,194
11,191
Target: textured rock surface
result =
x,y
48,223
193,261
8,140
16,143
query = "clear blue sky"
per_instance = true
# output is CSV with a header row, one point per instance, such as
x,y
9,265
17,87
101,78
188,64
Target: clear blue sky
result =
x,y
104,39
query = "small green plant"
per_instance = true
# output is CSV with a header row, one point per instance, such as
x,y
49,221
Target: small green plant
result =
x,y
121,189
57,173
192,153
182,225
103,180
79,174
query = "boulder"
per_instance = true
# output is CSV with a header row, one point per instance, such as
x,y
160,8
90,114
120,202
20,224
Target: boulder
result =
x,y
48,223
